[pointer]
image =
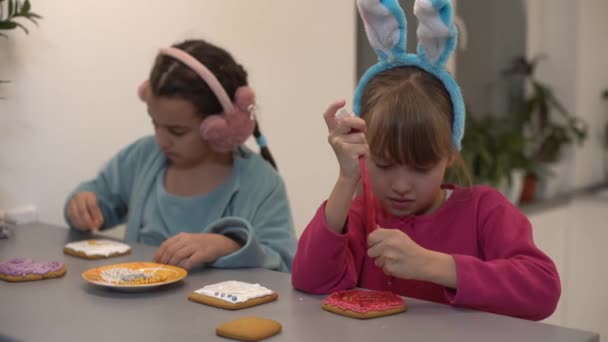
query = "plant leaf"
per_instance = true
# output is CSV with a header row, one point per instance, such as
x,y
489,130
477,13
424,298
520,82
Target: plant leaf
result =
x,y
32,20
21,26
26,6
7,25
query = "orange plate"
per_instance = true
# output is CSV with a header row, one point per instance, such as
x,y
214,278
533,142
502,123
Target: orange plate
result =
x,y
170,274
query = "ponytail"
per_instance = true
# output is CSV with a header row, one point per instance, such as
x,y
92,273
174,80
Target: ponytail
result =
x,y
261,141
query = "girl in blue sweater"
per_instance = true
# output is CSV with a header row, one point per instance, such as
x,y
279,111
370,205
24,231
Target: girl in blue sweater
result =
x,y
193,188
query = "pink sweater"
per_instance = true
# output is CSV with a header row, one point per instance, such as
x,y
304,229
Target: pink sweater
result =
x,y
498,267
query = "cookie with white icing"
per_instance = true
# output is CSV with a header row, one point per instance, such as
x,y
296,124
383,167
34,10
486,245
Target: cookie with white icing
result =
x,y
96,249
233,295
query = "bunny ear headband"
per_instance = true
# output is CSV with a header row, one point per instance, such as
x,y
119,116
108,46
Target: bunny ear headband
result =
x,y
386,29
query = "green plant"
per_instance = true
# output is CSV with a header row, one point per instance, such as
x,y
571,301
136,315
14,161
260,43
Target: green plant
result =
x,y
548,124
493,149
13,10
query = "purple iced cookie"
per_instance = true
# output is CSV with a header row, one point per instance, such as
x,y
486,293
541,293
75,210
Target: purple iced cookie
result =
x,y
19,267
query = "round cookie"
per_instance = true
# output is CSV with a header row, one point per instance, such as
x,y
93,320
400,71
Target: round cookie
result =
x,y
363,304
24,269
96,249
233,295
249,329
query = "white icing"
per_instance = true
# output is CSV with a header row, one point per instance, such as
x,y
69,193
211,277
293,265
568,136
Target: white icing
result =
x,y
98,247
233,291
118,275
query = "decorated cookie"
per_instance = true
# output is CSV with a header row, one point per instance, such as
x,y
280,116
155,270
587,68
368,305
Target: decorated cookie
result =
x,y
233,295
364,304
127,276
249,329
96,249
23,269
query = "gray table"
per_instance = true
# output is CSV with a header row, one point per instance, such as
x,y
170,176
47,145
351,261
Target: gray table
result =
x,y
69,309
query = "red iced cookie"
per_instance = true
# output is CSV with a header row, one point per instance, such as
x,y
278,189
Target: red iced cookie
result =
x,y
364,303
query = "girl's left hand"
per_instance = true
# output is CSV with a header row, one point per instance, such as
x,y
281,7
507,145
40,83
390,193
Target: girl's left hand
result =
x,y
397,254
193,249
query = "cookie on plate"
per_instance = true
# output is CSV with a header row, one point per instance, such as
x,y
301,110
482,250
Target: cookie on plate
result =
x,y
96,249
233,295
249,329
363,304
24,269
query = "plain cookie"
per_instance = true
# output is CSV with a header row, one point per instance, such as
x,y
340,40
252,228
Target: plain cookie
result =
x,y
249,329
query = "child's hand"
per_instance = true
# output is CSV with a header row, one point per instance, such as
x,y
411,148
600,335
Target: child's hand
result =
x,y
84,212
398,255
347,144
190,250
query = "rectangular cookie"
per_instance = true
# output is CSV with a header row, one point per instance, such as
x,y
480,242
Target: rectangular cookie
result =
x,y
233,295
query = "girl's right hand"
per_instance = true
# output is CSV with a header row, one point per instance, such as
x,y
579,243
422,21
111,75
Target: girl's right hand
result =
x,y
347,138
84,212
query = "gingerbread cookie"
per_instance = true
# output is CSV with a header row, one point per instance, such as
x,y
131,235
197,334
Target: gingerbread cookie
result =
x,y
96,249
249,329
364,304
233,295
23,269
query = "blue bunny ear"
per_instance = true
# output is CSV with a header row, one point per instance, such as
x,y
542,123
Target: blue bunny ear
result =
x,y
437,34
385,26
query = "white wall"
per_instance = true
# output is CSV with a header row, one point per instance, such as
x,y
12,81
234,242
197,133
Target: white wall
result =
x,y
71,104
571,35
573,235
592,79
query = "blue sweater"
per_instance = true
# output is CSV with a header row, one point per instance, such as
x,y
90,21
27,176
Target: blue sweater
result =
x,y
251,205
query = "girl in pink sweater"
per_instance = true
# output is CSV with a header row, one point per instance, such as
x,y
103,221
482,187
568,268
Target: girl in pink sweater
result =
x,y
464,246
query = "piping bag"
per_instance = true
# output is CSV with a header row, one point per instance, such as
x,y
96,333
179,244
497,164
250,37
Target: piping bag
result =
x,y
369,211
368,197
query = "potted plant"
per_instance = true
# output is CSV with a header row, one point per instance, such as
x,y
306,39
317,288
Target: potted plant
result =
x,y
494,152
13,10
550,128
